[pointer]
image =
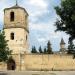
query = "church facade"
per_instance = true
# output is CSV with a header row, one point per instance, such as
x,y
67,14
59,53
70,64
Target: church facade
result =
x,y
17,33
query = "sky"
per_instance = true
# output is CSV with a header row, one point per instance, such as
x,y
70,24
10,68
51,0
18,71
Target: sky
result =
x,y
42,17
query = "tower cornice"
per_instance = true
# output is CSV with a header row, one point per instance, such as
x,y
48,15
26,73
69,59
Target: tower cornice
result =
x,y
9,27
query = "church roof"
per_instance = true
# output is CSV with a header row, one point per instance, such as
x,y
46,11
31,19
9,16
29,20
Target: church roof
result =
x,y
62,41
16,7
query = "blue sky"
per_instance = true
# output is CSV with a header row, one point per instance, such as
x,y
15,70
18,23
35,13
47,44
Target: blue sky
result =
x,y
42,17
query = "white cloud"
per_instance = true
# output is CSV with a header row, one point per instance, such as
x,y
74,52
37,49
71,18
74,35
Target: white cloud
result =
x,y
41,39
55,35
36,8
37,3
49,26
38,12
39,27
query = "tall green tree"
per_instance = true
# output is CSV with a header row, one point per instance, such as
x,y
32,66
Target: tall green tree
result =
x,y
49,49
40,50
66,22
4,49
33,50
45,51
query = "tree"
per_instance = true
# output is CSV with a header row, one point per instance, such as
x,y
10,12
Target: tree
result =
x,y
49,49
66,23
40,50
71,48
45,51
34,50
4,49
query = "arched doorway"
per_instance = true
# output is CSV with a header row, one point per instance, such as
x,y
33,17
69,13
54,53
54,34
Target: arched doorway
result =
x,y
11,65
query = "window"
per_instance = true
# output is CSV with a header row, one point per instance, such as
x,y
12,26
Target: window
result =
x,y
12,36
12,16
26,19
26,37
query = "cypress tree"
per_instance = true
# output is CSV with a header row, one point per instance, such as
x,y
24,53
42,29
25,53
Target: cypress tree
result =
x,y
45,50
40,50
49,49
34,50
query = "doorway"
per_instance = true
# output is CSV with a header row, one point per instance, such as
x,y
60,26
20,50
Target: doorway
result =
x,y
11,65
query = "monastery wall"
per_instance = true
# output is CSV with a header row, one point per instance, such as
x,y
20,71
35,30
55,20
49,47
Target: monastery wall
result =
x,y
42,62
49,62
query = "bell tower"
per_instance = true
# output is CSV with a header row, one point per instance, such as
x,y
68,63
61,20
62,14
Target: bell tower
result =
x,y
62,46
16,28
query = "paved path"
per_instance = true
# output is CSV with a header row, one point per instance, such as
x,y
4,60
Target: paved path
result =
x,y
38,73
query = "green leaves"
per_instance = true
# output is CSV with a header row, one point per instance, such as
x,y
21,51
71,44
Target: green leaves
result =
x,y
4,50
66,12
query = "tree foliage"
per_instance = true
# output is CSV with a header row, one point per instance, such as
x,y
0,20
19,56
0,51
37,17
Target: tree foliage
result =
x,y
40,50
66,23
49,49
45,51
4,49
33,50
71,48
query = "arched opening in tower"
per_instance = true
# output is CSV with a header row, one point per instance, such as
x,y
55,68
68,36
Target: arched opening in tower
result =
x,y
12,16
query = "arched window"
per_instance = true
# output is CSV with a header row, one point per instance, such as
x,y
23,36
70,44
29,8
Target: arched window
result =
x,y
26,37
12,36
12,16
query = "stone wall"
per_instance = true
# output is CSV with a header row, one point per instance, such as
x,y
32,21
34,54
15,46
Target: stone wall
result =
x,y
44,62
49,62
20,43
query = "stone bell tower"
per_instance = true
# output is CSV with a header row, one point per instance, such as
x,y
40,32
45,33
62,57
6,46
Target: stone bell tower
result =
x,y
62,46
16,28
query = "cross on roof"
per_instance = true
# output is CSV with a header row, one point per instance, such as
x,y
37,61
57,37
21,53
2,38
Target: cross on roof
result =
x,y
16,2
